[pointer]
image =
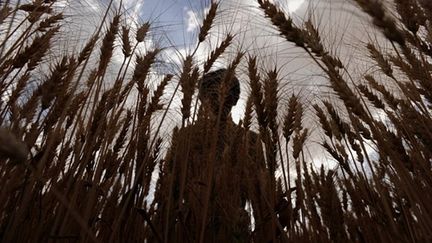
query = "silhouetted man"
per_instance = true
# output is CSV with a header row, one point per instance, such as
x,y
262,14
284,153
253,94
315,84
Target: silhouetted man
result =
x,y
213,147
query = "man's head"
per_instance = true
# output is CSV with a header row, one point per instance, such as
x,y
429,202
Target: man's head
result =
x,y
210,88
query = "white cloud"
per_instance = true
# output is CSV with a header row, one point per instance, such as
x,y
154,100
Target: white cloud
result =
x,y
192,21
133,7
195,18
294,5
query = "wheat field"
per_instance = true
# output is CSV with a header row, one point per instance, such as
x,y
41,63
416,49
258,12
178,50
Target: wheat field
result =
x,y
92,153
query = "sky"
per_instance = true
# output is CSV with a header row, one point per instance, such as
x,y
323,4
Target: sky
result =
x,y
175,25
181,18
